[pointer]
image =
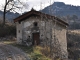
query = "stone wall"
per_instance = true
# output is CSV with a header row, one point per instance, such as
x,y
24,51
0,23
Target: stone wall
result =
x,y
25,28
19,32
29,24
59,40
46,29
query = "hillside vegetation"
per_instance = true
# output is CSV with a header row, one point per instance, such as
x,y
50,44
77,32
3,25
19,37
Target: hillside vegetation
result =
x,y
65,12
73,37
7,30
62,9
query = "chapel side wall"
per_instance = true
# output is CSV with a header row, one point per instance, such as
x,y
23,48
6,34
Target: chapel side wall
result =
x,y
60,35
19,32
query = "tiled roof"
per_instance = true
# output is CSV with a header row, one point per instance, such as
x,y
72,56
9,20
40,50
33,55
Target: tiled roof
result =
x,y
38,13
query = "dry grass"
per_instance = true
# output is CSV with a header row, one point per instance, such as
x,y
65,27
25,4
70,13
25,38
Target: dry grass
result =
x,y
73,38
34,52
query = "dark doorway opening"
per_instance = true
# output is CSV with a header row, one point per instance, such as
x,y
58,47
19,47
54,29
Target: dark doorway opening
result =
x,y
36,39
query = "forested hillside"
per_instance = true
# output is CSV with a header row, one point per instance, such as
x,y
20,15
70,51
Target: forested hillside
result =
x,y
68,13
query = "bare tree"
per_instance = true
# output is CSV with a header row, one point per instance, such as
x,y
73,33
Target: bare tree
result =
x,y
11,5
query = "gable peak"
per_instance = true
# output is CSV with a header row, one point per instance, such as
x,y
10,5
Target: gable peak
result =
x,y
33,9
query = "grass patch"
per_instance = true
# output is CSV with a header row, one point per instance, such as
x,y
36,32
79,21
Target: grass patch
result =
x,y
9,42
34,52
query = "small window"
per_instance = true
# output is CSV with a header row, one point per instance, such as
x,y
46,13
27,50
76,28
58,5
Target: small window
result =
x,y
19,22
35,24
19,31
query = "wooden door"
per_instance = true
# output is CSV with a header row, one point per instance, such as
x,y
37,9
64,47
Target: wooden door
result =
x,y
36,39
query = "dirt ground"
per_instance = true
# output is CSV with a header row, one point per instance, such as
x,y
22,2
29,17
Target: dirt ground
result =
x,y
9,52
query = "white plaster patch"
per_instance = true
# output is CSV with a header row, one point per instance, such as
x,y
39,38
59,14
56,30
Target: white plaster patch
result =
x,y
28,32
26,24
42,23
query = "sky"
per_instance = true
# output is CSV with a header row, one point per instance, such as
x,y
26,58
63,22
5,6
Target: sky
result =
x,y
40,4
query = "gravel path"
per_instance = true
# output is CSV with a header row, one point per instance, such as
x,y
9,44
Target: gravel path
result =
x,y
8,52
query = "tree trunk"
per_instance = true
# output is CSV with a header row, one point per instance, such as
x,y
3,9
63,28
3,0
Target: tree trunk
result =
x,y
4,13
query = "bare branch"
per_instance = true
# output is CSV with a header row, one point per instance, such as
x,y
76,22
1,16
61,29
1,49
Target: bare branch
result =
x,y
10,5
14,11
21,2
9,10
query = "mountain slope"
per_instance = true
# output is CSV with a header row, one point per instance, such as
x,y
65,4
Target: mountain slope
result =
x,y
61,9
9,16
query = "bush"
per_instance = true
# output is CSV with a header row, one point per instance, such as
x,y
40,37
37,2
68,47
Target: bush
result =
x,y
7,30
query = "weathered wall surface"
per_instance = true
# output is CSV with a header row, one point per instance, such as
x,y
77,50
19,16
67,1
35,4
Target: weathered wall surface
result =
x,y
46,29
19,32
27,26
60,40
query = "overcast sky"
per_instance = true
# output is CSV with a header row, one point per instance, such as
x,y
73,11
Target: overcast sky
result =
x,y
40,4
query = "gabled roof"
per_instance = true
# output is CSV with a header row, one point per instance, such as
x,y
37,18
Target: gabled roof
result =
x,y
38,13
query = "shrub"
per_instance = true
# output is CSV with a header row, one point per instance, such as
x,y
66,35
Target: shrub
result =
x,y
7,30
